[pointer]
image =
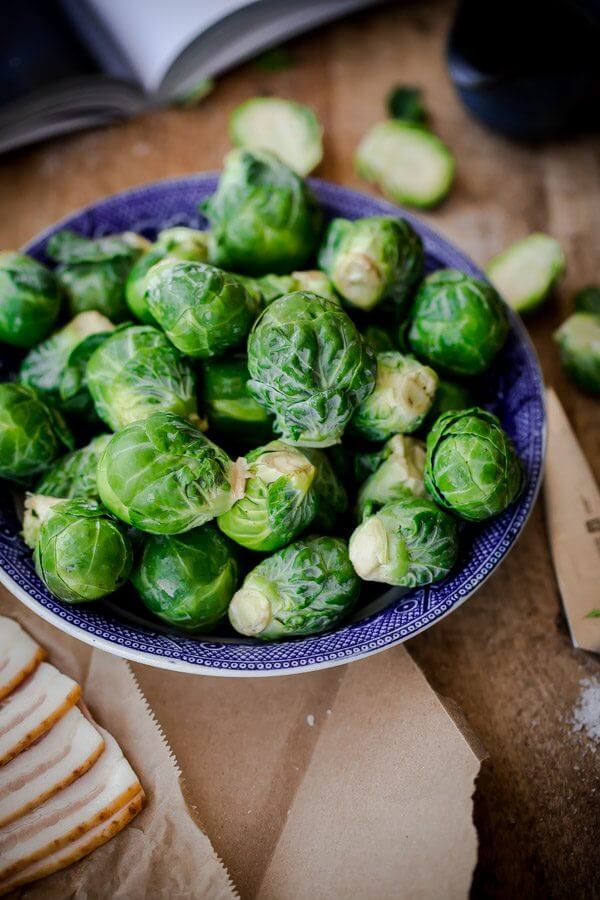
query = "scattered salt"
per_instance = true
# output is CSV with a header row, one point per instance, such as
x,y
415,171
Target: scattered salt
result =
x,y
586,714
310,719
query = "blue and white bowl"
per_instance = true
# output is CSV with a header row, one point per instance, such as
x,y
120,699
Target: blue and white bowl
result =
x,y
513,389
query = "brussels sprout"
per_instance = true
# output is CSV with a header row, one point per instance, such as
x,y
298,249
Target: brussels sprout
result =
x,y
202,310
406,162
405,103
29,300
137,372
82,554
459,323
378,338
332,498
371,259
271,287
289,130
579,341
187,579
399,475
44,367
403,395
407,543
278,502
525,274
177,243
471,467
74,475
36,510
92,272
73,388
448,396
310,367
230,408
303,589
263,217
164,476
32,435
588,299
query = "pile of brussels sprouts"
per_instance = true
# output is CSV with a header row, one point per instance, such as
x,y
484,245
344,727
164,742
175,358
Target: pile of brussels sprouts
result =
x,y
238,433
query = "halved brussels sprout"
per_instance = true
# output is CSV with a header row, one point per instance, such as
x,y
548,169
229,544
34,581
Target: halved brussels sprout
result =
x,y
331,495
402,397
579,341
407,163
472,468
137,372
263,217
164,476
32,436
278,501
459,323
310,367
526,272
228,404
449,396
378,338
29,300
405,103
407,543
74,475
289,130
187,579
399,475
202,310
371,259
303,589
588,299
82,554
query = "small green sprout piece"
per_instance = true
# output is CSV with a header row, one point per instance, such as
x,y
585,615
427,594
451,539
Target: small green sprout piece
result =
x,y
399,475
406,103
526,272
588,299
29,300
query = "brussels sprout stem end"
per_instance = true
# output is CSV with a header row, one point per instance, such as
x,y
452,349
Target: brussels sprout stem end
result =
x,y
37,507
250,611
369,549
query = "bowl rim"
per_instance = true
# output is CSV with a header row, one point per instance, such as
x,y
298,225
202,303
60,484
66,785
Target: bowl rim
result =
x,y
179,665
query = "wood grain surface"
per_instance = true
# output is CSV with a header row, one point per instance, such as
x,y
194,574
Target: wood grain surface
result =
x,y
505,656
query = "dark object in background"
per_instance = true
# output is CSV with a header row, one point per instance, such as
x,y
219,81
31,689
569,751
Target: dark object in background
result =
x,y
406,103
528,68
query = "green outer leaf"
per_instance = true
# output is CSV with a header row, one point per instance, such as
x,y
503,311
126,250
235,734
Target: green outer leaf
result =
x,y
29,300
74,475
32,435
227,402
579,341
399,475
285,128
332,497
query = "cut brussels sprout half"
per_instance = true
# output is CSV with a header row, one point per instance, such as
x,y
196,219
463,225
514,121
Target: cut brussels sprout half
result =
x,y
303,589
263,217
408,543
164,476
459,323
406,162
371,259
187,579
228,404
579,341
588,299
332,498
310,367
472,468
289,130
29,300
82,554
400,474
402,397
74,475
526,272
32,435
406,103
278,501
136,372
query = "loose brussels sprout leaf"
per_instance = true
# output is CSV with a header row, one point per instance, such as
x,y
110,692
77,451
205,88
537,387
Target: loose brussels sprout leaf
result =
x,y
303,589
579,341
459,323
230,408
588,299
74,475
405,103
471,467
408,543
164,476
332,499
448,396
278,502
32,436
407,163
36,510
202,310
263,217
526,272
371,259
310,367
29,300
289,130
402,397
399,475
378,338
137,372
187,579
82,554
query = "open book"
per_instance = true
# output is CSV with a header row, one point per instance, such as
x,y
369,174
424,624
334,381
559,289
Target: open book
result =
x,y
69,64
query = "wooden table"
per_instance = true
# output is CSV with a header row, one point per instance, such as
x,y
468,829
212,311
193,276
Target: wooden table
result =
x,y
504,656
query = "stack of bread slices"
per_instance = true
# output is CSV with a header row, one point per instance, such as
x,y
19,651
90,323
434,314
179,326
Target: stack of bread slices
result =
x,y
65,786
